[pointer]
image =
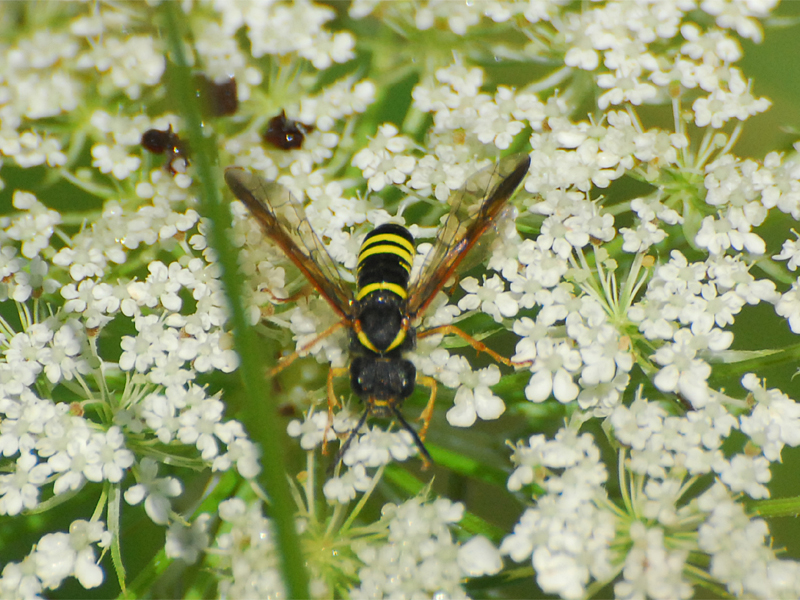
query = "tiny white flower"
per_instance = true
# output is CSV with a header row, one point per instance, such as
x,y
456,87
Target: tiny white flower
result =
x,y
19,580
475,398
155,492
311,430
20,489
59,555
111,458
746,474
114,160
186,543
479,557
552,372
681,370
343,489
35,226
490,297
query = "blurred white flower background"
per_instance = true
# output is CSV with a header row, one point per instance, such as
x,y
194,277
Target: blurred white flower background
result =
x,y
643,280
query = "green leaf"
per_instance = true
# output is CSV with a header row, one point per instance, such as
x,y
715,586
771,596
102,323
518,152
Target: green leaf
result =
x,y
736,356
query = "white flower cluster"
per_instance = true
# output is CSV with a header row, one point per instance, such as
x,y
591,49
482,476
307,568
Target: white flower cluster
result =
x,y
575,340
687,305
568,533
246,553
369,448
59,444
419,557
457,103
57,556
409,552
295,27
573,533
116,344
381,161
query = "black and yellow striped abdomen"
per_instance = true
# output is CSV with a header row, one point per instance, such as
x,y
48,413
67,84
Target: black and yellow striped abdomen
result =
x,y
384,261
384,266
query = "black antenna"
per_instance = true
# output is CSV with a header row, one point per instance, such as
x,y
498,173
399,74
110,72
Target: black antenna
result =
x,y
346,445
426,458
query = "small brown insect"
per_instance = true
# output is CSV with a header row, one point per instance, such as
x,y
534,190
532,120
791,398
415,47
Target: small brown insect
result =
x,y
167,142
287,409
286,134
218,99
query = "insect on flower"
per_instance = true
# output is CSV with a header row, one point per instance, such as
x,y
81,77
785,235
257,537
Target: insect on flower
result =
x,y
221,99
383,313
286,134
167,142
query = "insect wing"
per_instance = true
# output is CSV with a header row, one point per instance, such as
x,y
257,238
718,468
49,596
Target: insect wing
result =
x,y
474,210
284,221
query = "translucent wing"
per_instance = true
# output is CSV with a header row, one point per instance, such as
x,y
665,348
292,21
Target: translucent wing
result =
x,y
284,221
474,209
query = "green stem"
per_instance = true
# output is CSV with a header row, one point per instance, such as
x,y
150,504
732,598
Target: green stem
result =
x,y
780,507
260,411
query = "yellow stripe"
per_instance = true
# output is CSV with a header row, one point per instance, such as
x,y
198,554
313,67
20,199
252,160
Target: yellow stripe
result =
x,y
390,237
362,337
405,257
382,285
399,338
401,335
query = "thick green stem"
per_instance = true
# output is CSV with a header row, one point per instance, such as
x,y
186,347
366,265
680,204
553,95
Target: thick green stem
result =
x,y
261,411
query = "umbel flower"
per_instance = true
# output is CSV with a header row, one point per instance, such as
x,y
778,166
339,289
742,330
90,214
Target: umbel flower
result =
x,y
628,430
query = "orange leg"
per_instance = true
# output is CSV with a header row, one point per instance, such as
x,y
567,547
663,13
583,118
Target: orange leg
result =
x,y
332,401
304,291
425,417
305,348
479,346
